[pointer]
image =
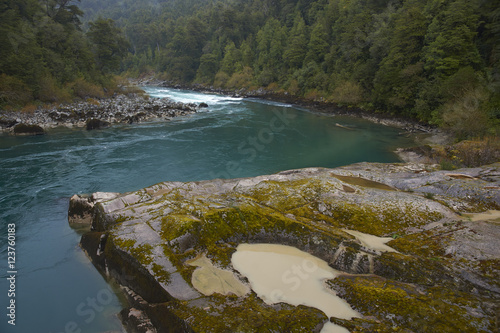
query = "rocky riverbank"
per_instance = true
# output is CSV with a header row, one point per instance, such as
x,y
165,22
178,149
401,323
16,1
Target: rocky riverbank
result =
x,y
406,124
441,276
96,113
423,134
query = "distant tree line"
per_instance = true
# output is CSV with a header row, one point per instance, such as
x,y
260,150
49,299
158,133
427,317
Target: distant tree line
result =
x,y
437,61
432,60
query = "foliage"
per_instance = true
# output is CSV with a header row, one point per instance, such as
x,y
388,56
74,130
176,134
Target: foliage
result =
x,y
467,153
44,53
13,91
85,89
472,153
110,45
435,61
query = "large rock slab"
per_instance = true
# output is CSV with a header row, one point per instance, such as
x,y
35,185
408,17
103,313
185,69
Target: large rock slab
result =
x,y
442,277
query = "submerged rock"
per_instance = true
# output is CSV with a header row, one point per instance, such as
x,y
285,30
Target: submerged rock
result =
x,y
439,273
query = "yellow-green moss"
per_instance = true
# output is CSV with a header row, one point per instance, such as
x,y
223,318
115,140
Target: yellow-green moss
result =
x,y
425,244
230,314
142,253
434,309
381,221
161,274
175,225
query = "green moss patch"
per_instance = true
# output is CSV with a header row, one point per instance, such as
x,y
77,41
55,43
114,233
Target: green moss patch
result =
x,y
402,305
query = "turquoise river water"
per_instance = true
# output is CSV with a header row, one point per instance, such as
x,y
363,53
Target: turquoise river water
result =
x,y
56,288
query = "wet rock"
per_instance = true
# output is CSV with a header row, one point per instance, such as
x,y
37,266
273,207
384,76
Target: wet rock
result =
x,y
7,123
203,105
25,129
136,321
444,269
80,210
93,124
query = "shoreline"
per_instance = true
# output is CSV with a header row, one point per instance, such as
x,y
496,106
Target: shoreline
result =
x,y
423,134
135,108
408,124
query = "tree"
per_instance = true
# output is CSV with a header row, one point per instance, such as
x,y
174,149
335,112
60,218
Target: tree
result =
x,y
207,69
451,39
296,49
110,45
397,81
232,59
318,44
270,46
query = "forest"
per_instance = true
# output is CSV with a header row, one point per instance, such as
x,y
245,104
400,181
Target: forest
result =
x,y
436,61
46,56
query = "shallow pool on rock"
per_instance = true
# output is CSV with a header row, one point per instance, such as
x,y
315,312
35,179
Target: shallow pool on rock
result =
x,y
279,273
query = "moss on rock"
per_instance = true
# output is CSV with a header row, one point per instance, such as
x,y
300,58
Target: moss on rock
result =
x,y
419,309
443,278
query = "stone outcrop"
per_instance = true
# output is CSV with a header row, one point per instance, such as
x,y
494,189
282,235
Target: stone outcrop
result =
x,y
443,277
99,113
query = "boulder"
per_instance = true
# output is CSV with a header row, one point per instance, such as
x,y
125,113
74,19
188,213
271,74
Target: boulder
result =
x,y
94,123
25,129
80,210
442,274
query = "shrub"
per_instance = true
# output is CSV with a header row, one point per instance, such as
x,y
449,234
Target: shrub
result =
x,y
312,95
221,80
85,89
446,164
13,91
50,92
29,108
472,153
273,87
293,87
465,116
348,92
241,79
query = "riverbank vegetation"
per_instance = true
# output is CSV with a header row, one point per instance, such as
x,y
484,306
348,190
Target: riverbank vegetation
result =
x,y
437,62
46,57
434,61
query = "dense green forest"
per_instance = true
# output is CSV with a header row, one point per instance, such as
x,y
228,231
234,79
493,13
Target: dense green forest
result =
x,y
46,56
437,61
434,60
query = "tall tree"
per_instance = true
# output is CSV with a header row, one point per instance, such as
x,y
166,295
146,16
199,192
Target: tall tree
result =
x,y
451,39
296,49
110,45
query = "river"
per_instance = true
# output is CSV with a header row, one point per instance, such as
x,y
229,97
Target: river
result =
x,y
56,288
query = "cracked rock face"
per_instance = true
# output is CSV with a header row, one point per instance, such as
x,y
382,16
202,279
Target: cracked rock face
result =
x,y
441,277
